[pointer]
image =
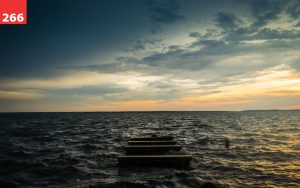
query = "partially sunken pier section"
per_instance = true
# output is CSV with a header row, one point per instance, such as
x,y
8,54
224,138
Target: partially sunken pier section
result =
x,y
154,151
170,142
153,138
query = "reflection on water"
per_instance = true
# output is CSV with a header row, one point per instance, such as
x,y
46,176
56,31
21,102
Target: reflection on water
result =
x,y
68,149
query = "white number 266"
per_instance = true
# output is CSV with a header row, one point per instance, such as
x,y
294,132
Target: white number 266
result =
x,y
13,17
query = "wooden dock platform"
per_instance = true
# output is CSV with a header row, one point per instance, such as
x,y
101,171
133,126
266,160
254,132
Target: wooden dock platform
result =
x,y
154,151
152,138
170,142
155,160
151,149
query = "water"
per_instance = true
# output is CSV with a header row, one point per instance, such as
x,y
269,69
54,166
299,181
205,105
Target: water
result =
x,y
80,149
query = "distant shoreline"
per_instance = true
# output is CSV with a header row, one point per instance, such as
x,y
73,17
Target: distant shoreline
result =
x,y
156,111
270,110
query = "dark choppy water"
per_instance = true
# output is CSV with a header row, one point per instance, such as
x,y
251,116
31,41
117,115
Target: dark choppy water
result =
x,y
80,149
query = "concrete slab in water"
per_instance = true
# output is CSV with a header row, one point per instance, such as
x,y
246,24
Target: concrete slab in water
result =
x,y
151,149
162,138
155,160
171,142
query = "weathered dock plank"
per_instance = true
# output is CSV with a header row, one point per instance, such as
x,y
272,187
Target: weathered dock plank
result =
x,y
161,138
171,142
155,160
151,149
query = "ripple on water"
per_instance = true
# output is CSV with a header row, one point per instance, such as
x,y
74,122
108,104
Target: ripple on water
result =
x,y
80,149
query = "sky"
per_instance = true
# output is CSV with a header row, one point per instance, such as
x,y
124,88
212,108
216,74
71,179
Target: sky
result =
x,y
152,55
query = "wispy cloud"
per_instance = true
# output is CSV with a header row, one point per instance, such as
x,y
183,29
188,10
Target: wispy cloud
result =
x,y
20,95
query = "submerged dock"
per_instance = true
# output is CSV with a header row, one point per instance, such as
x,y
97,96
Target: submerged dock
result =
x,y
154,151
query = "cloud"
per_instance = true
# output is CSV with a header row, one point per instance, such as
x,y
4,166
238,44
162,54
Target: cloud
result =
x,y
237,56
242,45
276,34
227,21
265,11
20,95
273,82
294,10
140,45
73,80
163,12
269,20
95,90
81,31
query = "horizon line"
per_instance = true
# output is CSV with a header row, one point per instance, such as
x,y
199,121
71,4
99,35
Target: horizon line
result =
x,y
150,111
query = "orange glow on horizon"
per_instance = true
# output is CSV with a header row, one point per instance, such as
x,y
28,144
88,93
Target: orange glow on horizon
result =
x,y
294,107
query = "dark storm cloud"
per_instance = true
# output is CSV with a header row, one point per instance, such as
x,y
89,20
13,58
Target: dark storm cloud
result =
x,y
235,32
294,11
105,68
89,90
163,12
194,34
276,34
140,45
267,10
263,12
157,57
227,21
208,44
228,40
56,41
